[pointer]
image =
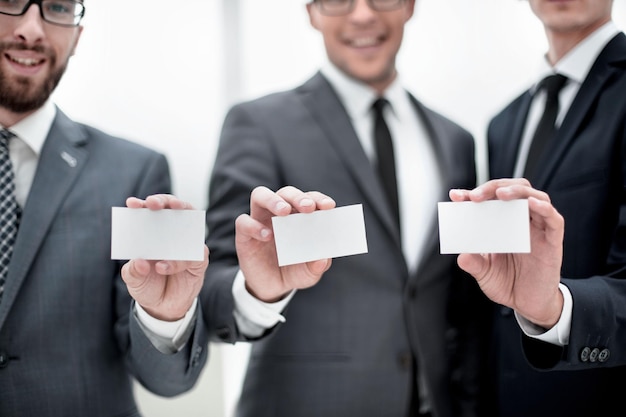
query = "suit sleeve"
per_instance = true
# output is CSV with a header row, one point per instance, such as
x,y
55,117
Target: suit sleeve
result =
x,y
598,332
245,159
162,374
598,327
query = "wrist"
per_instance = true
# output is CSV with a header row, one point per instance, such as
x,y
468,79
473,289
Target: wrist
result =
x,y
552,313
265,296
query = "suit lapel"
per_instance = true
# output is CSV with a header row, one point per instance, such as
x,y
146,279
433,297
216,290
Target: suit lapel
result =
x,y
443,153
445,164
323,103
62,159
603,69
504,164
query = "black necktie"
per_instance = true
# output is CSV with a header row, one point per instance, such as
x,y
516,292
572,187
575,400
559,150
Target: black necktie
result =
x,y
386,161
9,209
545,129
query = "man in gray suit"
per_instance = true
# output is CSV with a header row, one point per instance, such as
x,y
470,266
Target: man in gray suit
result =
x,y
386,333
71,337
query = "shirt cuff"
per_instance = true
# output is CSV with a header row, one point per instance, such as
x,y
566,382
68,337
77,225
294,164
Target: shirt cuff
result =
x,y
166,335
559,333
252,315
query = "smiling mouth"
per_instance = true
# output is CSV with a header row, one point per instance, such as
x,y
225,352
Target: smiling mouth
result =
x,y
27,62
366,42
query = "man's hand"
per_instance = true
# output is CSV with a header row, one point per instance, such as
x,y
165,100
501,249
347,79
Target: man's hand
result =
x,y
526,282
256,248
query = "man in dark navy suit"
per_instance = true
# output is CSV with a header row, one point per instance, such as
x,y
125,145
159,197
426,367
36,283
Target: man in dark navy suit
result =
x,y
582,168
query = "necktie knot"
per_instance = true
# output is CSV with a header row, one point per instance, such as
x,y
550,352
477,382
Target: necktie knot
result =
x,y
379,105
5,135
553,85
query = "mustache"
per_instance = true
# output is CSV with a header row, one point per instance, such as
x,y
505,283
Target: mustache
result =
x,y
22,47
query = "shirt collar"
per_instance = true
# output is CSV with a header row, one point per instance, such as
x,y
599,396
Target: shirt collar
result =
x,y
575,65
358,97
34,129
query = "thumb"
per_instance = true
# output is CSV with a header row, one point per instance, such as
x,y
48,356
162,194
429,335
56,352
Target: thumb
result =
x,y
135,272
471,263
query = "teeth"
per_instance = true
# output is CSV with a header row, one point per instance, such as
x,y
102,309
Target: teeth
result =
x,y
362,42
29,62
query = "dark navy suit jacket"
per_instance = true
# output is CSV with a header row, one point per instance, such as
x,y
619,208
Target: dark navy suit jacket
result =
x,y
584,172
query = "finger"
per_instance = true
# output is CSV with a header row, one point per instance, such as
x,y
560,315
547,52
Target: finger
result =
x,y
458,194
488,190
135,271
134,202
171,267
247,228
520,191
472,263
322,201
263,200
320,266
553,220
301,202
162,201
195,268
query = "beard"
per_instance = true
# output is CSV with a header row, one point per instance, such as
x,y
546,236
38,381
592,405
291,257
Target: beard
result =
x,y
23,94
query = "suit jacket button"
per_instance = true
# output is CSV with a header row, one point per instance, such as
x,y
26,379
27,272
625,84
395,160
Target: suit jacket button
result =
x,y
4,359
593,356
195,359
405,360
604,355
584,354
412,291
223,333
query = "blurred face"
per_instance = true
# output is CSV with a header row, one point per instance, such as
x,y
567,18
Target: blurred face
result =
x,y
574,17
33,57
364,43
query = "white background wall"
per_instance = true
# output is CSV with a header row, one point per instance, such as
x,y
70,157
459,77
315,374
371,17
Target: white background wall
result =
x,y
163,73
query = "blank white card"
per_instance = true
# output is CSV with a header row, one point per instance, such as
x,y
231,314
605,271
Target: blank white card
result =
x,y
492,226
157,234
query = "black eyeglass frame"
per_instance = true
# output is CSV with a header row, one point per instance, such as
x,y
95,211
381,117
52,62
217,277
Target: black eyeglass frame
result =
x,y
77,17
350,7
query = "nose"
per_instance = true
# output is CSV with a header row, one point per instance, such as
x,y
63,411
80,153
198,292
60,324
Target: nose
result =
x,y
362,10
30,26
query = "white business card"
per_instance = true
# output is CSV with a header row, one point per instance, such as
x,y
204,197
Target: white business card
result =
x,y
304,237
492,226
157,234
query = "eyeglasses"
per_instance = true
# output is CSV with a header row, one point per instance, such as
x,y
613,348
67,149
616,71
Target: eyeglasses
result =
x,y
58,12
342,7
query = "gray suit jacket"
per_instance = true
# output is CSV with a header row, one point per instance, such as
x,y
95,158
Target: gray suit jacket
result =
x,y
349,342
68,340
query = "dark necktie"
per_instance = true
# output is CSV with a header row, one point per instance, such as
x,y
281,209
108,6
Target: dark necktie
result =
x,y
545,129
9,209
386,161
